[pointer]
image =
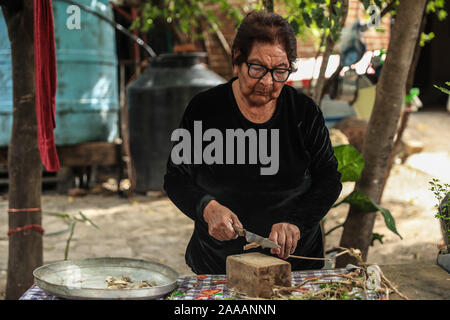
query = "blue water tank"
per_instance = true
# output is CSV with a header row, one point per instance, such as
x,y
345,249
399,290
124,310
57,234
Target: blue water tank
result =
x,y
87,104
5,85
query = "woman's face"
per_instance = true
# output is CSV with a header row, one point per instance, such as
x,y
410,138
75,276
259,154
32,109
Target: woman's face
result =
x,y
259,92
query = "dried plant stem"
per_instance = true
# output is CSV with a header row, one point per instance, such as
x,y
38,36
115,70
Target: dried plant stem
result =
x,y
284,290
251,245
353,283
364,286
341,253
387,291
72,229
309,258
391,286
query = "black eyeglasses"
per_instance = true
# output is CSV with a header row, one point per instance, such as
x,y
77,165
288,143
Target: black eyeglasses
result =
x,y
257,71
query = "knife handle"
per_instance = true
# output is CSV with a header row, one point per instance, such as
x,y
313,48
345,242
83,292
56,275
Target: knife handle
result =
x,y
240,231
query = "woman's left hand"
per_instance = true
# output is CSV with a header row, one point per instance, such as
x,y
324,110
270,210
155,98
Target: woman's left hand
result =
x,y
287,236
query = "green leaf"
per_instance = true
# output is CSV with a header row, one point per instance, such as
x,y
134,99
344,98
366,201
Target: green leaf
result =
x,y
410,96
345,296
439,3
360,201
350,162
63,215
318,15
376,237
295,26
363,203
88,220
424,37
388,220
366,4
307,18
335,34
430,7
444,90
442,14
337,11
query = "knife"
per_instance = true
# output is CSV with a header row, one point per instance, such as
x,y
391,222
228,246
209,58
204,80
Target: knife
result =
x,y
252,237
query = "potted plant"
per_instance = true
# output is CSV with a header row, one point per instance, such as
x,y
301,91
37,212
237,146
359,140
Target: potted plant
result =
x,y
442,194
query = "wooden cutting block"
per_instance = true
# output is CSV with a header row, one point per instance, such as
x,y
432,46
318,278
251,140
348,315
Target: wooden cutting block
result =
x,y
255,273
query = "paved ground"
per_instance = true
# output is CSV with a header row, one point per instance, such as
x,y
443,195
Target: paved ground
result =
x,y
150,227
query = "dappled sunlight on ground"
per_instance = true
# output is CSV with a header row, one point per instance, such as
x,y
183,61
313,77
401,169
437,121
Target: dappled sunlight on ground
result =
x,y
408,197
435,164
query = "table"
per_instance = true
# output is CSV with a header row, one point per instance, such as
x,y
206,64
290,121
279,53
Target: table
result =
x,y
212,287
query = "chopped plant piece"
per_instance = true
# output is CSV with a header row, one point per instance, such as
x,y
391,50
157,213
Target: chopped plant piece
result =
x,y
127,283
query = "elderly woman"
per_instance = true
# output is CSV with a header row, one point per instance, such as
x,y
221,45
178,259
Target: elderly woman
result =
x,y
228,186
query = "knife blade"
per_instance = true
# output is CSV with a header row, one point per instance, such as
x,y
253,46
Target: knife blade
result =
x,y
253,237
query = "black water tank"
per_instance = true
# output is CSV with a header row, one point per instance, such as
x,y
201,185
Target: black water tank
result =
x,y
156,102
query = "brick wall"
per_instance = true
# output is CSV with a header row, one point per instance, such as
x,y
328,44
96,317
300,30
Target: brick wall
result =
x,y
218,59
220,62
374,40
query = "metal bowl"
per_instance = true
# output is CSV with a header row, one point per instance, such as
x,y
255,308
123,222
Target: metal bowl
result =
x,y
86,278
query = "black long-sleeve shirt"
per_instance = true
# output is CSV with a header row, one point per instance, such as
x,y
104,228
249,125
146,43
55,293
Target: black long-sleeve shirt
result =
x,y
302,191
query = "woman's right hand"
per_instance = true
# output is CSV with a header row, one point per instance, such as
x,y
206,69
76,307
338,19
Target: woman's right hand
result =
x,y
220,221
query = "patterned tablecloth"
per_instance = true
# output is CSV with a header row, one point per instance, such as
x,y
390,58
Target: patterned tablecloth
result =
x,y
214,287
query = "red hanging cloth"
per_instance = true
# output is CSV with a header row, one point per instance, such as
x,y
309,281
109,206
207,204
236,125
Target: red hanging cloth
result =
x,y
45,74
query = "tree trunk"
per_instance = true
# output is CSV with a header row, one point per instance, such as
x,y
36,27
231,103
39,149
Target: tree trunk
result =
x,y
309,90
329,45
383,124
404,118
24,163
417,51
323,67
